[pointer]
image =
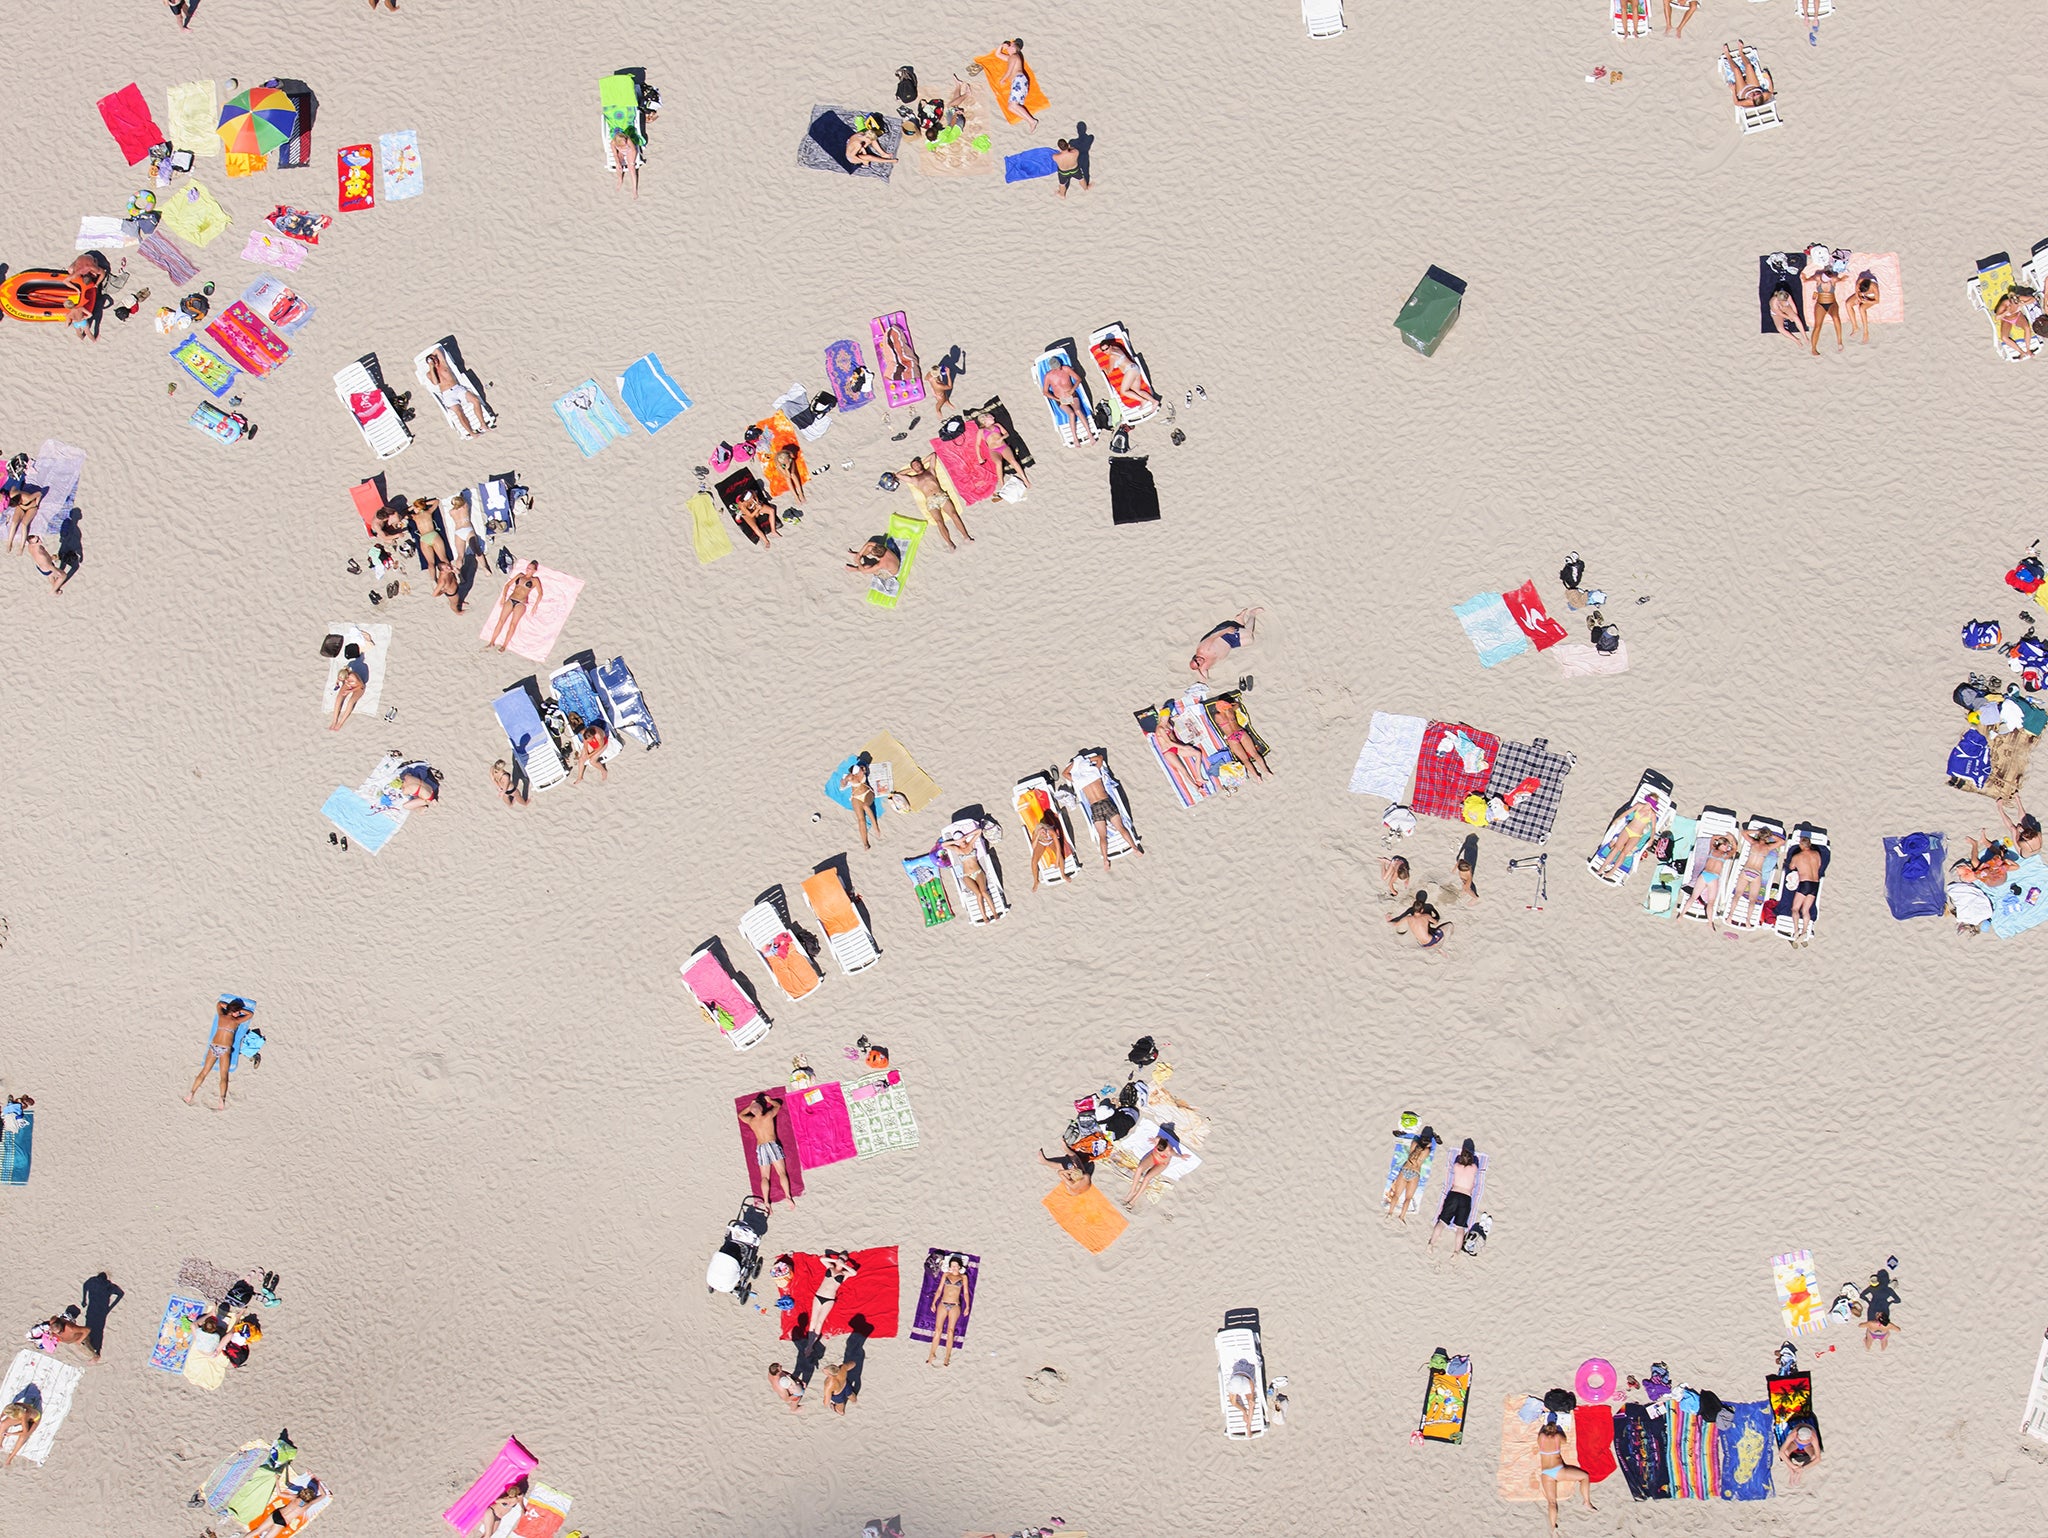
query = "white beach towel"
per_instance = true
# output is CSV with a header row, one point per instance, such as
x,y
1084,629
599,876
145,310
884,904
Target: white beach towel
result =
x,y
1575,659
56,468
375,654
1387,761
57,1380
2035,1422
100,232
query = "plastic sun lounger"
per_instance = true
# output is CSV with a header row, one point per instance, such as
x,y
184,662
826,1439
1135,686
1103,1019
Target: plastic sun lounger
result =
x,y
1188,790
1819,836
624,705
1136,411
618,99
1238,1341
1652,784
1323,18
450,354
572,689
1070,433
382,427
845,931
532,745
1751,119
968,903
795,973
1751,916
1712,820
1034,801
715,989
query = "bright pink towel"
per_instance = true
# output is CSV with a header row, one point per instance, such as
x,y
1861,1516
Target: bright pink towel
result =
x,y
824,1132
126,115
764,1181
975,481
512,1464
1534,620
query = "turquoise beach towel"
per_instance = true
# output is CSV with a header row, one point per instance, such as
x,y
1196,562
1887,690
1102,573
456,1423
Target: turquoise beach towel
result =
x,y
365,827
1491,628
654,399
590,417
18,1151
838,793
2018,913
241,1031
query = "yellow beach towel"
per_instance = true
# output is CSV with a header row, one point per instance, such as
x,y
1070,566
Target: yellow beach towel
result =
x,y
191,214
707,529
192,116
905,778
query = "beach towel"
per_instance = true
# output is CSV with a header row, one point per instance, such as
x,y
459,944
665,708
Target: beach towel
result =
x,y
777,434
1642,1449
1891,284
906,533
1531,618
1403,1142
962,149
823,146
191,214
1915,874
654,399
99,232
842,361
362,813
1593,1440
228,1477
590,417
159,250
1769,279
214,373
897,392
924,1322
542,624
1800,1304
1442,782
1387,761
399,156
2019,911
512,1464
355,178
1444,1402
1029,165
1535,814
1090,1218
1519,1477
1576,659
1133,498
992,70
880,1113
707,529
18,1148
174,1333
126,114
278,305
792,1156
201,1278
273,250
1490,628
56,467
240,163
1791,1398
56,1381
870,1294
972,479
193,114
818,1118
370,664
246,342
905,777
1746,1448
1695,1454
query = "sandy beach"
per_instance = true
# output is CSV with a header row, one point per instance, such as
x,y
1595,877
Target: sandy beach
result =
x,y
491,1146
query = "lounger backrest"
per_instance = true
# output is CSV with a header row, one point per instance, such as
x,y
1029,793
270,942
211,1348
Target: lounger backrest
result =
x,y
826,894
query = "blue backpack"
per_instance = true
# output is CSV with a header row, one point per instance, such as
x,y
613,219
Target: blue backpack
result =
x,y
1981,635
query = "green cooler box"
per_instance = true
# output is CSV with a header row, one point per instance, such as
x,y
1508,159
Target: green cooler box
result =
x,y
1431,311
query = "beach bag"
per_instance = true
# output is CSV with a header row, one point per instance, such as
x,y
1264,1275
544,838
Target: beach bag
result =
x,y
1474,811
1560,1401
1969,760
1144,1052
1571,573
1981,635
2028,575
1606,639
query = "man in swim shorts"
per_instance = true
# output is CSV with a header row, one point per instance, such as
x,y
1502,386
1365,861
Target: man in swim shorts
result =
x,y
1803,868
759,1115
1062,386
1066,162
1088,776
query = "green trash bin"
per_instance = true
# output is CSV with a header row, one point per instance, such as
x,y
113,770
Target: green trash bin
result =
x,y
1431,311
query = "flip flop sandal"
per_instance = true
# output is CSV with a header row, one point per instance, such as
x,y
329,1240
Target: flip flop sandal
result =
x,y
355,567
375,596
391,589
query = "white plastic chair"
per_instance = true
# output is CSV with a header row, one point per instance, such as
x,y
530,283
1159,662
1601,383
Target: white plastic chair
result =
x,y
1323,18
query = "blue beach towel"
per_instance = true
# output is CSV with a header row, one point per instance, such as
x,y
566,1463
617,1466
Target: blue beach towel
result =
x,y
654,399
1915,875
2020,911
17,1151
242,1031
574,694
1491,628
590,417
174,1333
398,158
839,794
629,709
1746,1452
1027,165
356,818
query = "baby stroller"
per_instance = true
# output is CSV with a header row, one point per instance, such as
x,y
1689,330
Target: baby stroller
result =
x,y
738,1261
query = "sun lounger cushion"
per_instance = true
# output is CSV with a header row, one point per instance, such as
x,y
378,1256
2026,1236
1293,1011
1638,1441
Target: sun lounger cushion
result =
x,y
1536,813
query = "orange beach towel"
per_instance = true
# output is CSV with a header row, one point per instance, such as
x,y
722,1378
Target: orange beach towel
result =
x,y
828,899
1090,1217
1520,1464
992,70
777,433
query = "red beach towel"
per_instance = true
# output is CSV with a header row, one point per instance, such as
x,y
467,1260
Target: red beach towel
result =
x,y
790,1160
1593,1440
126,114
871,1293
1529,613
1441,780
975,481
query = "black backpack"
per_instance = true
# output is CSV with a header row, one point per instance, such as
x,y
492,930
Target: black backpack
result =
x,y
1571,573
1143,1052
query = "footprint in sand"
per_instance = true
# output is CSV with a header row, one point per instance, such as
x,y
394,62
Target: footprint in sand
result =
x,y
432,1082
1046,1385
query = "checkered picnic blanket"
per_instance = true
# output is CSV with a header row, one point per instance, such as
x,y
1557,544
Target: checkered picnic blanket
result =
x,y
881,1122
1441,783
1516,761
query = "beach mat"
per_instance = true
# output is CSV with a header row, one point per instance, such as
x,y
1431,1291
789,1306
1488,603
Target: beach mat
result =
x,y
1695,1454
543,624
1593,1440
651,395
1035,100
356,812
871,1294
880,1114
127,116
792,1154
1535,814
1444,1402
1029,165
57,1381
193,113
1491,628
906,778
820,1124
707,529
964,149
398,158
1387,761
1519,1477
174,1333
823,146
1746,1449
1088,1216
1441,780
193,214
18,1151
1133,497
903,392
926,1318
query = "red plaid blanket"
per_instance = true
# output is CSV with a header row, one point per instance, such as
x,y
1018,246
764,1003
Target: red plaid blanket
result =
x,y
1441,783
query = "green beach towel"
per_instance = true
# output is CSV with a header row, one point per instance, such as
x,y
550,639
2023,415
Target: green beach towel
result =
x,y
619,95
707,529
908,532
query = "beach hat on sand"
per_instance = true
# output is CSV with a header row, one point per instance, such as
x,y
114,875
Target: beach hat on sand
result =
x,y
1596,1380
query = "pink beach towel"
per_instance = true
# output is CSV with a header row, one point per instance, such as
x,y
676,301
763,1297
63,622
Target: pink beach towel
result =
x,y
1891,284
1575,659
975,481
512,1464
542,625
274,250
126,114
1526,606
820,1124
791,1155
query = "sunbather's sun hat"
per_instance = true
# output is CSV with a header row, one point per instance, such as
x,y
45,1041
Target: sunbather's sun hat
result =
x,y
1596,1380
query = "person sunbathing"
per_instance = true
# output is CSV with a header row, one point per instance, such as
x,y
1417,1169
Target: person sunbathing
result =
x,y
1635,15
937,501
2013,327
418,788
228,1016
1393,874
1162,1153
964,847
1859,304
470,413
1456,1211
1688,6
1557,1473
1222,640
47,562
1062,386
1014,84
19,1420
351,681
1409,1175
23,503
864,146
760,517
1785,313
1826,306
521,595
2026,833
514,1499
1077,1171
512,785
1989,861
1754,875
995,439
1125,373
1802,868
1420,920
899,358
862,794
1749,82
1229,720
951,1305
1193,762
1628,837
291,1515
878,553
790,461
427,533
759,1117
591,741
1050,850
1721,849
1088,776
462,527
626,156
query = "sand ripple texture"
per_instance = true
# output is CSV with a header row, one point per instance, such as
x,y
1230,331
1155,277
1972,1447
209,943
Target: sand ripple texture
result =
x,y
491,1147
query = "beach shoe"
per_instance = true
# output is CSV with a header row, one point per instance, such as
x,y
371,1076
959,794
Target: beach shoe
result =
x,y
504,558
391,589
1178,438
375,596
1119,442
333,837
355,567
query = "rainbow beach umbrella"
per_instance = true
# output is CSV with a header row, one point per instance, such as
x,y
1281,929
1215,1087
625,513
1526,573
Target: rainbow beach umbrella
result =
x,y
257,121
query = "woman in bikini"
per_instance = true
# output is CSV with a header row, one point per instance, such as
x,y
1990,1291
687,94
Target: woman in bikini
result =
x,y
1230,726
1720,850
1750,83
1128,378
591,740
512,786
1862,302
19,1420
791,464
995,440
855,783
1171,748
1826,305
1409,1175
521,596
420,521
23,503
1050,850
1557,1473
967,870
228,1017
1420,920
1785,313
955,1300
750,512
1161,1154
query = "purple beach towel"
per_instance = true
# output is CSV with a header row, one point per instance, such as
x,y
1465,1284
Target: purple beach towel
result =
x,y
928,1291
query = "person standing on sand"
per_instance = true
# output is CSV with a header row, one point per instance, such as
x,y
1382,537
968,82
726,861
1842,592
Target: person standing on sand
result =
x,y
522,595
759,1116
229,1015
389,5
1066,162
100,1295
1468,861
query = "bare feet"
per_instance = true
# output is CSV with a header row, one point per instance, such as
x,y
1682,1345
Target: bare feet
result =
x,y
188,1096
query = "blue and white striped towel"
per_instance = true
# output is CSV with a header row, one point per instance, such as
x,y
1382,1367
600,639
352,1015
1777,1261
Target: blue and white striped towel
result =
x,y
1491,628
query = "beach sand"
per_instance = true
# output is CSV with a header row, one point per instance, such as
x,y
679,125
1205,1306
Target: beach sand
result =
x,y
490,1147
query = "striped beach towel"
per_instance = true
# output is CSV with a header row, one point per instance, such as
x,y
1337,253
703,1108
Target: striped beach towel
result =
x,y
1491,628
159,250
1695,1456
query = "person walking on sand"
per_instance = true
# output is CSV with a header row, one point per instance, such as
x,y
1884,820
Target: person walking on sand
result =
x,y
100,1295
1062,386
787,1389
229,1015
951,1305
1557,1473
1066,161
522,595
759,1115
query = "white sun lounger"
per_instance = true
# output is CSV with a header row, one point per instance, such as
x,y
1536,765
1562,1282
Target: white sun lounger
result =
x,y
575,693
450,403
1819,836
1752,119
1115,332
364,400
1323,18
1237,1344
1712,820
58,1380
1751,914
1614,10
967,902
762,927
533,745
1035,801
1070,431
2035,1422
853,944
1652,784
